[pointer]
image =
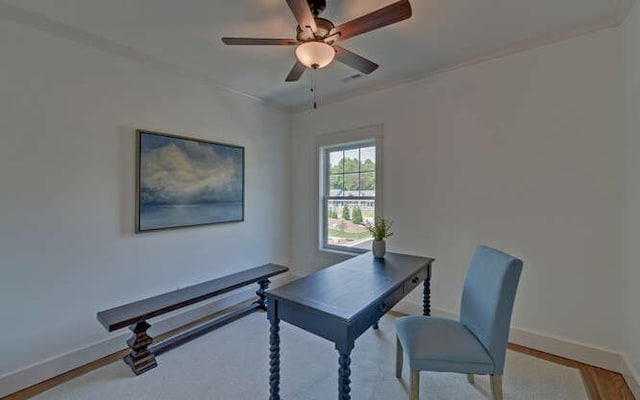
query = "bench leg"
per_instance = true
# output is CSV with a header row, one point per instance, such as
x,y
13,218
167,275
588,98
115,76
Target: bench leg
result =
x,y
140,359
264,284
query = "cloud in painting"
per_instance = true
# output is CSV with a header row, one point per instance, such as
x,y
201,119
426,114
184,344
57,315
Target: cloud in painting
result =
x,y
180,171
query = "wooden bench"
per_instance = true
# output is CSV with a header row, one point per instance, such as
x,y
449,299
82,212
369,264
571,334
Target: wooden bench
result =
x,y
135,315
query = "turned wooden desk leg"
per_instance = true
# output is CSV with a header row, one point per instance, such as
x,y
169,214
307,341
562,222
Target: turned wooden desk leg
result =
x,y
426,300
344,376
140,359
274,360
264,284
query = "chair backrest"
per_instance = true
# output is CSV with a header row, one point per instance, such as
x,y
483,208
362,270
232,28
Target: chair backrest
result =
x,y
487,300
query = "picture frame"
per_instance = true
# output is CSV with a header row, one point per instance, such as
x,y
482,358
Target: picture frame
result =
x,y
183,182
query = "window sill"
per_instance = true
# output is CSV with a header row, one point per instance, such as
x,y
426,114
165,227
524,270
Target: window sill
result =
x,y
332,251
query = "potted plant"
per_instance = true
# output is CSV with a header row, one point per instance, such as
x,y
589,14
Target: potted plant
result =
x,y
380,229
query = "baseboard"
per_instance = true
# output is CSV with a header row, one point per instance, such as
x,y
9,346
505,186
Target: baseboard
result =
x,y
34,374
50,368
631,376
586,354
42,371
583,353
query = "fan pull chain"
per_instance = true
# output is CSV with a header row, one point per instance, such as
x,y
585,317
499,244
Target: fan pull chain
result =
x,y
313,90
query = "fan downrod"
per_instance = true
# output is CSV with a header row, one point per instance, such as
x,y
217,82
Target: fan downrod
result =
x,y
317,6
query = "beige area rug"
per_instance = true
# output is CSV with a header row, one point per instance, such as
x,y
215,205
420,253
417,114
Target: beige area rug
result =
x,y
231,363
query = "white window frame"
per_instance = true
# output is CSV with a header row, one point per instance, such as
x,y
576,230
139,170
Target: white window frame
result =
x,y
359,137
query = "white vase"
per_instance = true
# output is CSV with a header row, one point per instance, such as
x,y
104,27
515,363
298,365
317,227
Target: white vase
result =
x,y
378,248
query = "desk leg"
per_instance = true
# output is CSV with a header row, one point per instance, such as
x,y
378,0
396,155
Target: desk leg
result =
x,y
426,300
344,376
274,360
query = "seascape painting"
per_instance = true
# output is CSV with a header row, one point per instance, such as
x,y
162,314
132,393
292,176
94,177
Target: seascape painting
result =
x,y
186,182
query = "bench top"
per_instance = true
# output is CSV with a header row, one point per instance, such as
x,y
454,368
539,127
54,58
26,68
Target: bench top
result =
x,y
142,310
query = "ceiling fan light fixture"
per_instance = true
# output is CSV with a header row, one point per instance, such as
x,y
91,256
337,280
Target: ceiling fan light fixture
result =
x,y
315,54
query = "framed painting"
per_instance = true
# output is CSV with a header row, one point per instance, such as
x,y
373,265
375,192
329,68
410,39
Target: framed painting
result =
x,y
183,182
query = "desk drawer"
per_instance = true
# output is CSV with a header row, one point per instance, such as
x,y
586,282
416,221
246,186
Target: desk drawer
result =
x,y
376,310
415,280
390,300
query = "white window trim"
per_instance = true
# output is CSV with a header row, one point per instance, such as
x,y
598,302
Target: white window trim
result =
x,y
340,139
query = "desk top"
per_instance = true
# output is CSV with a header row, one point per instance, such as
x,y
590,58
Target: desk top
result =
x,y
344,289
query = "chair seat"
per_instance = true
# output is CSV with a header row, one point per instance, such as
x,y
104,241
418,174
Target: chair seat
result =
x,y
450,346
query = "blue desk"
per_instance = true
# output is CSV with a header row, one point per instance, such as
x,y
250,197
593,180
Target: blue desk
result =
x,y
341,302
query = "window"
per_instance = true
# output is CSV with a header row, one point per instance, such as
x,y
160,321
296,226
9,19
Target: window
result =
x,y
349,187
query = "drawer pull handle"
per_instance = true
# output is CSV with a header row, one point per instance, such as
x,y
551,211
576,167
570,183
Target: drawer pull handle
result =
x,y
415,280
383,307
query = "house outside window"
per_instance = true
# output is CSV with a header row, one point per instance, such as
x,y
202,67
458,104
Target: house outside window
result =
x,y
350,183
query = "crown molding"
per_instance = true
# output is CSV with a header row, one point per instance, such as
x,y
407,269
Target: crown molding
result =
x,y
519,47
68,32
62,30
622,9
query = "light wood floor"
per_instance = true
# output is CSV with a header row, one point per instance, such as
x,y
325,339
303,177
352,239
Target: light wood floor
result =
x,y
601,383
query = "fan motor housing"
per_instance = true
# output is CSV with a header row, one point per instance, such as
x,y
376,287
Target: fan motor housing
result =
x,y
324,29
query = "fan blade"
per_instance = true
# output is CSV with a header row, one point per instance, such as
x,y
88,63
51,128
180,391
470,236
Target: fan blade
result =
x,y
296,72
258,41
388,15
355,61
302,12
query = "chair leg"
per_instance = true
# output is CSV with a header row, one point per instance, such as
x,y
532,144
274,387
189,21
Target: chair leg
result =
x,y
471,379
399,358
496,387
415,384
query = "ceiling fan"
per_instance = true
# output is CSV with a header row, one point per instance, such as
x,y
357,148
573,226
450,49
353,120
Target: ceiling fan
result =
x,y
316,37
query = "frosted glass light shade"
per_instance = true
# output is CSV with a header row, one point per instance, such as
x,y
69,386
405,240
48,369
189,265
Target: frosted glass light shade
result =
x,y
315,54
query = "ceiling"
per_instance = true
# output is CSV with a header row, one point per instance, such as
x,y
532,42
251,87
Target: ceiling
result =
x,y
440,35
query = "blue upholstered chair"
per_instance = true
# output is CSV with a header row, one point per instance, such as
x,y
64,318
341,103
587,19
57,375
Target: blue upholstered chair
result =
x,y
478,343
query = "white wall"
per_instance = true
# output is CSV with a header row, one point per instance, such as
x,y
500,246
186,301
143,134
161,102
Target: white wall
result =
x,y
630,39
522,153
68,113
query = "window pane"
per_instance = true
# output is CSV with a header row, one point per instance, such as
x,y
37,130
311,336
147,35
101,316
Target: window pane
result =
x,y
337,185
368,159
345,227
368,208
350,176
368,184
352,160
336,161
351,184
